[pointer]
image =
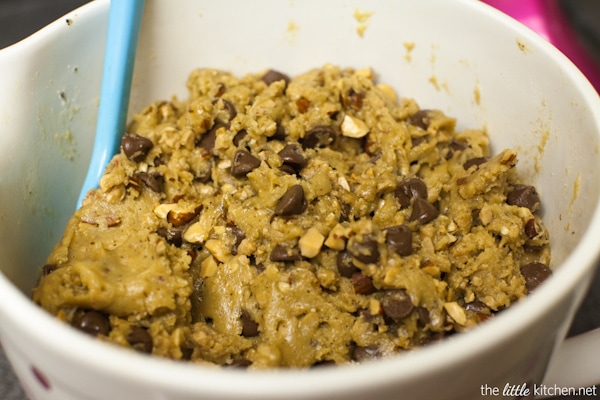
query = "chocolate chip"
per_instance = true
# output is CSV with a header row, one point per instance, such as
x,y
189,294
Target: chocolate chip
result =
x,y
204,175
345,210
477,161
239,137
292,157
455,146
399,239
366,353
323,363
396,304
240,363
186,352
221,90
243,162
362,283
366,250
344,264
408,189
207,140
292,154
230,109
280,133
288,169
416,141
458,145
477,306
423,317
434,337
154,181
47,269
365,314
292,202
423,211
239,236
282,252
524,196
535,273
531,229
249,326
135,147
140,339
91,322
371,147
172,236
420,119
373,160
318,136
275,76
162,159
480,309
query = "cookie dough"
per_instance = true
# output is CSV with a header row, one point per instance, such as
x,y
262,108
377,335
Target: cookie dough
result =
x,y
276,222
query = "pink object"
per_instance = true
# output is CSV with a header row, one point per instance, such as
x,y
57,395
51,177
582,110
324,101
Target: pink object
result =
x,y
546,18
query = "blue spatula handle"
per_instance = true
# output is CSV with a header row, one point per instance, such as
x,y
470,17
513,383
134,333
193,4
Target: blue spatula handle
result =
x,y
121,42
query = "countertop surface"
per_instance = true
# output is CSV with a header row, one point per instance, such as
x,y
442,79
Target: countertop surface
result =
x,y
20,18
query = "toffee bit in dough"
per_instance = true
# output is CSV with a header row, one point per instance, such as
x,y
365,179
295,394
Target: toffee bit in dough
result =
x,y
274,221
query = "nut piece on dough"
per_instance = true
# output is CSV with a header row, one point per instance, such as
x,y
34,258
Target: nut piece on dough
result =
x,y
310,244
175,213
456,312
388,92
354,127
337,237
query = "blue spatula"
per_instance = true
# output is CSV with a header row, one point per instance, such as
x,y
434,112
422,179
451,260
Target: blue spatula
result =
x,y
121,42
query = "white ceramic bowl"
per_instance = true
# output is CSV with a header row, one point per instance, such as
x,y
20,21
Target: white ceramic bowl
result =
x,y
467,59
